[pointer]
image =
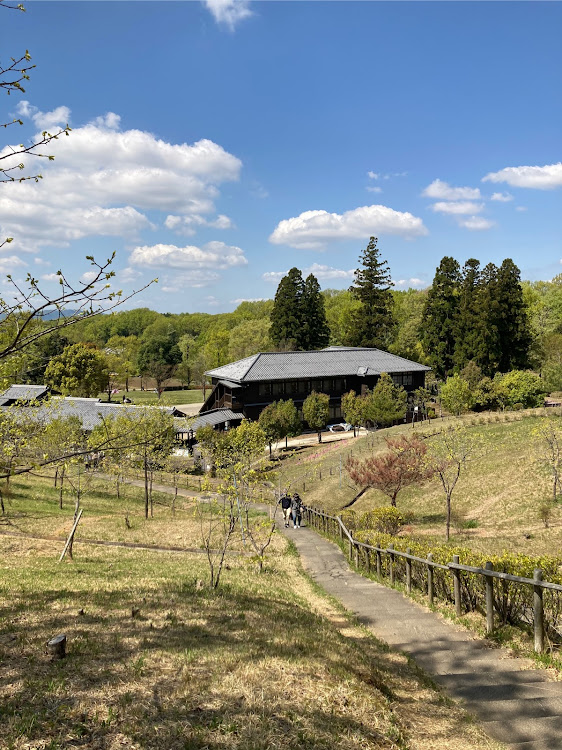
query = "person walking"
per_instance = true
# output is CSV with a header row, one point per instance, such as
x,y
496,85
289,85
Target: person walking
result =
x,y
285,501
296,510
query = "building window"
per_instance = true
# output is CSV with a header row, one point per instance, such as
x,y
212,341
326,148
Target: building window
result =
x,y
316,385
278,389
264,389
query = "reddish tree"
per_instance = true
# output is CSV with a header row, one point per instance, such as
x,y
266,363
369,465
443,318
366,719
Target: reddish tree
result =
x,y
403,465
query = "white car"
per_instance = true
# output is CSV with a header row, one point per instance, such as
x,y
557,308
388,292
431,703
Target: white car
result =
x,y
340,427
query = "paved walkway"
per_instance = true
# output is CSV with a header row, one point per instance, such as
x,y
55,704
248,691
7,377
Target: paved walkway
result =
x,y
516,704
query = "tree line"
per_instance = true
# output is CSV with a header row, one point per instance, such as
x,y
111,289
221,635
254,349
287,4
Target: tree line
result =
x,y
485,316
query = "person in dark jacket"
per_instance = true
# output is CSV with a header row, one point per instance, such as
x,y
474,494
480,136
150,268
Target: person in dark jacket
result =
x,y
296,510
285,501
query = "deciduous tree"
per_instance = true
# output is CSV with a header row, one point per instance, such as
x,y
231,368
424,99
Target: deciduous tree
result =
x,y
402,465
316,411
78,371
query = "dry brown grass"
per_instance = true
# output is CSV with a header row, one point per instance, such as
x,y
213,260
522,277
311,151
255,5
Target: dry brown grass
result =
x,y
264,662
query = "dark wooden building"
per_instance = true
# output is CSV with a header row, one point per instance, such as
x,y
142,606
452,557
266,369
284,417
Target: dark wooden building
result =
x,y
249,385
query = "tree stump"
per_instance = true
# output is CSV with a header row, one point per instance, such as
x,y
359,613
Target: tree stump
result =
x,y
56,647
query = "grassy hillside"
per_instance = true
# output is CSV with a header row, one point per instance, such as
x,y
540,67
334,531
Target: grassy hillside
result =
x,y
497,499
264,661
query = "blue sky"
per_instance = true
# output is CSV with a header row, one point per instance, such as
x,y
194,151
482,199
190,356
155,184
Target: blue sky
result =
x,y
217,144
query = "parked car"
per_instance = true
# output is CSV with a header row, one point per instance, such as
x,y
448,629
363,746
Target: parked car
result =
x,y
340,427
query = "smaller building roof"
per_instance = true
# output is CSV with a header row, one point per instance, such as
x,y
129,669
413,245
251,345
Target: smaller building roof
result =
x,y
215,417
23,393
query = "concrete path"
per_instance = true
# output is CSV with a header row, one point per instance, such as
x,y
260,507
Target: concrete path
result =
x,y
516,704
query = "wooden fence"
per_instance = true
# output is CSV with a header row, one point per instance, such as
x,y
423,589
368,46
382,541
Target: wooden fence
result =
x,y
383,561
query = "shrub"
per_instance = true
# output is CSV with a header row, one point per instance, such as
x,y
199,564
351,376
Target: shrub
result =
x,y
385,520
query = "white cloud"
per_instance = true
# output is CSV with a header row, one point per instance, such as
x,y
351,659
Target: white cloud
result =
x,y
9,263
322,273
374,189
246,299
59,117
541,178
40,262
521,208
501,197
457,207
312,229
215,255
229,12
379,176
373,175
187,225
444,191
212,301
411,283
126,275
87,277
51,277
104,180
193,280
476,223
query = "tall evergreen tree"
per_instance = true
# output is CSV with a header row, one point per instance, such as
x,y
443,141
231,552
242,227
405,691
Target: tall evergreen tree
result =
x,y
490,349
440,316
468,337
286,316
315,331
374,321
513,324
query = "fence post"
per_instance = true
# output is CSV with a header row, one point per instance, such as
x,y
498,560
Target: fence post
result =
x,y
341,529
356,555
538,612
391,564
379,563
350,548
408,572
368,556
430,579
457,586
489,600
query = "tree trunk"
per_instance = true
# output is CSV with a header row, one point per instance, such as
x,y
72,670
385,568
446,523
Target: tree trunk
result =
x,y
361,492
150,494
286,442
60,487
145,485
319,436
2,508
448,531
127,384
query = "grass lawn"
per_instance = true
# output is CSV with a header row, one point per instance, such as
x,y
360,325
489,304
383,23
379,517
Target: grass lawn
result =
x,y
168,398
495,504
265,661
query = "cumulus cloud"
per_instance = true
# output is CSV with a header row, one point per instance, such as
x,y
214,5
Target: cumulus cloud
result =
x,y
312,229
540,178
188,225
59,117
411,283
229,12
247,299
193,280
501,197
9,263
51,277
476,223
457,207
213,255
322,273
103,180
444,191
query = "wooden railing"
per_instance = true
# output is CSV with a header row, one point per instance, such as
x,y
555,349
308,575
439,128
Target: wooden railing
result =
x,y
370,557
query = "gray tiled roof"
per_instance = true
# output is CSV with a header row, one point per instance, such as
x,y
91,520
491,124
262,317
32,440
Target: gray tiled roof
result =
x,y
331,362
90,411
23,393
217,416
